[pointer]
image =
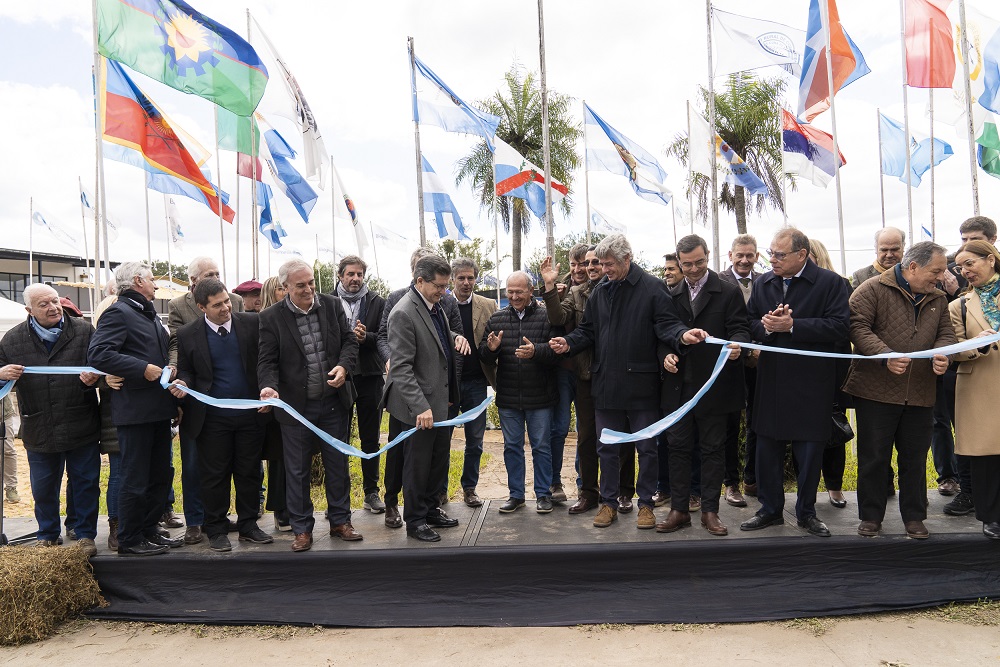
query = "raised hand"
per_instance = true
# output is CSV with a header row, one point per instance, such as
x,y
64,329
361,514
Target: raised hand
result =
x,y
493,340
548,272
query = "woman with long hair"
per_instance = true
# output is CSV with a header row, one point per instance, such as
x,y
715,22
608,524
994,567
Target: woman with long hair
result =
x,y
974,314
271,292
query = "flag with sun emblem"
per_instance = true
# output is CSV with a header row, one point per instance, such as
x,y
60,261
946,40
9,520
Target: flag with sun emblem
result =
x,y
171,42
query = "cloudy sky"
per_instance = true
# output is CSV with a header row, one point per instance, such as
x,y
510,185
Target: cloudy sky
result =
x,y
634,62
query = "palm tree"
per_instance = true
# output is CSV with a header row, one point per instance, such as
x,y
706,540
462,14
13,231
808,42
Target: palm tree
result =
x,y
519,108
748,118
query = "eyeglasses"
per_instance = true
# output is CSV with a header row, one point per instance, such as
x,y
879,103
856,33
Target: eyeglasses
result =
x,y
699,263
779,256
440,287
593,262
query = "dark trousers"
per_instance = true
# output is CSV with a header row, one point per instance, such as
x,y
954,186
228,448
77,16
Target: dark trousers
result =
x,y
663,462
586,441
146,476
834,463
299,444
771,475
986,487
613,457
424,465
229,448
732,474
275,468
369,388
83,471
194,510
706,435
879,426
394,464
626,469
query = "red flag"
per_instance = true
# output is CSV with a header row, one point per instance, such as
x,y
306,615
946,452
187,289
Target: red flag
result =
x,y
930,50
248,166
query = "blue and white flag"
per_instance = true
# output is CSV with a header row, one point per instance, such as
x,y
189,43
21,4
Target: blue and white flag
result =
x,y
610,150
43,219
173,222
894,145
602,224
438,201
87,199
286,176
270,227
439,105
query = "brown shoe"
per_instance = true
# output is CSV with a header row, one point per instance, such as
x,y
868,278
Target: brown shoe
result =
x,y
948,487
583,504
660,498
734,497
869,528
346,532
916,530
646,519
694,504
193,535
471,499
170,520
750,489
605,517
302,542
113,534
711,522
675,521
625,504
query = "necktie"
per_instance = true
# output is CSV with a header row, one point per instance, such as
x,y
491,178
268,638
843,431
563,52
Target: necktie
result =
x,y
745,282
787,281
223,332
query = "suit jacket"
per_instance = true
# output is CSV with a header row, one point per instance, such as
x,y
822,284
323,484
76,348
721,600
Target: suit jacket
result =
x,y
448,302
183,310
194,364
370,362
718,309
281,362
728,277
126,341
482,310
419,377
795,394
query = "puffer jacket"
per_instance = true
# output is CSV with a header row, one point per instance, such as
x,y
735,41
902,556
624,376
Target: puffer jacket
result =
x,y
522,384
568,313
883,319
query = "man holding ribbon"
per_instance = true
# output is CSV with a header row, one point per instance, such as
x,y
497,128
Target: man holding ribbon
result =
x,y
60,420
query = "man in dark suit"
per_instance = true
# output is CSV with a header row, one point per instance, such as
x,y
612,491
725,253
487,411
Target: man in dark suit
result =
x,y
131,342
743,256
306,352
796,305
703,301
423,381
364,313
217,355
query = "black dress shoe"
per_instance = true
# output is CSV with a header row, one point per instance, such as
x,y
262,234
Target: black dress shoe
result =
x,y
438,519
839,503
992,530
257,536
424,533
815,527
220,543
512,505
392,518
142,548
762,521
171,542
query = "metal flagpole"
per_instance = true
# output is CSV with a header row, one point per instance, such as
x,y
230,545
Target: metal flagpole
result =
x,y
906,121
333,214
881,176
236,218
170,242
673,219
86,256
586,176
930,109
374,250
690,173
550,226
218,171
825,9
149,242
711,123
970,123
784,194
31,239
416,142
496,248
97,177
254,222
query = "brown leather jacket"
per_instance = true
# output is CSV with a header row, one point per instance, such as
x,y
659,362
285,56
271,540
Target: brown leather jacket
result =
x,y
568,313
883,319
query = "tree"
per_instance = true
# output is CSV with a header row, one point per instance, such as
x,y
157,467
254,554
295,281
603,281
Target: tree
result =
x,y
161,270
519,108
748,118
562,253
481,251
326,282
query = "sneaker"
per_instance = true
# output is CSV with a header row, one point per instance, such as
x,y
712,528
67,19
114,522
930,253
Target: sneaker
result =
x,y
961,505
543,505
12,495
256,535
220,543
512,505
694,504
71,534
646,518
88,546
374,504
605,517
558,493
45,543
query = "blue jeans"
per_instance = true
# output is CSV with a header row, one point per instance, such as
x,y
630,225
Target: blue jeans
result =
x,y
539,425
45,471
566,384
194,510
114,483
473,393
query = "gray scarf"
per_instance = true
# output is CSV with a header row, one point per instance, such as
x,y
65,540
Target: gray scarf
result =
x,y
352,302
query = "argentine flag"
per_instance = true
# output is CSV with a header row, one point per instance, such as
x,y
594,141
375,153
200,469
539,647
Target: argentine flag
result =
x,y
438,201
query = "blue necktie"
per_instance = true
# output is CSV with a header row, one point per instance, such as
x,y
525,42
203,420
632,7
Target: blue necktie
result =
x,y
787,281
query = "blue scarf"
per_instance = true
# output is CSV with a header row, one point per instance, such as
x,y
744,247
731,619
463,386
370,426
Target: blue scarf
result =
x,y
988,298
48,336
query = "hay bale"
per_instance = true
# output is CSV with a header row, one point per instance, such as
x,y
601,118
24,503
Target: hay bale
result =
x,y
40,588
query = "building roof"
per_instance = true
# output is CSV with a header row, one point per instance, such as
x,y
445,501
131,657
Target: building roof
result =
x,y
11,253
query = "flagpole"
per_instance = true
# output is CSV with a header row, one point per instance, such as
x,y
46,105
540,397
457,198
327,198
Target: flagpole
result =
x,y
690,173
496,246
374,250
83,220
31,239
906,121
149,242
784,195
254,222
170,242
236,218
218,194
711,122
825,9
586,176
881,183
416,143
96,204
550,227
673,219
970,123
333,214
930,109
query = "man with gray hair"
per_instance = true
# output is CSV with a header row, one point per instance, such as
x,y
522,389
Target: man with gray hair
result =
x,y
889,244
307,350
180,311
626,319
901,311
131,342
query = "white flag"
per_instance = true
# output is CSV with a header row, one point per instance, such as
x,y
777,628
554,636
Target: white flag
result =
x,y
390,239
44,220
174,222
700,144
980,28
343,207
88,200
602,224
743,43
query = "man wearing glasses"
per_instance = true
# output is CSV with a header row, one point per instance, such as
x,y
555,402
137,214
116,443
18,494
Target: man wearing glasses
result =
x,y
796,305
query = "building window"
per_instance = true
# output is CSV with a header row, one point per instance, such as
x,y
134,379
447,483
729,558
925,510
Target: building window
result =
x,y
12,284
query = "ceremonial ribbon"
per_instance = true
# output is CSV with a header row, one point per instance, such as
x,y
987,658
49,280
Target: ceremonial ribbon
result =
x,y
611,437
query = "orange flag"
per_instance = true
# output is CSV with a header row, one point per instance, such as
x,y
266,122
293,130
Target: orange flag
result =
x,y
930,50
